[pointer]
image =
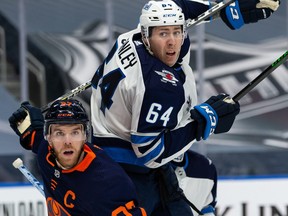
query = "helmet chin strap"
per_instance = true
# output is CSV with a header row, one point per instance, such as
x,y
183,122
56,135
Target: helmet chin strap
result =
x,y
57,162
147,44
59,165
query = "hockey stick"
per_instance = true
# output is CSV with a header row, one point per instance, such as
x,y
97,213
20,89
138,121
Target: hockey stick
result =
x,y
261,76
69,94
237,97
207,14
246,89
216,8
18,164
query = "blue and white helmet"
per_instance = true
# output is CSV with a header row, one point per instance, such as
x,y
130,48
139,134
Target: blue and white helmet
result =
x,y
160,13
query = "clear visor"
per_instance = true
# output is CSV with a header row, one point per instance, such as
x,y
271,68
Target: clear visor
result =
x,y
66,133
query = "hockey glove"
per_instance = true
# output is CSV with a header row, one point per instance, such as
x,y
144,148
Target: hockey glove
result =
x,y
206,119
247,11
216,115
25,122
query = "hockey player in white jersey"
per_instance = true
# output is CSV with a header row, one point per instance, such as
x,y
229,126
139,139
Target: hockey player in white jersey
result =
x,y
144,107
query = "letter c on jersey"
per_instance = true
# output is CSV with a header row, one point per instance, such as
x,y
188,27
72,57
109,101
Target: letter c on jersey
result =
x,y
69,194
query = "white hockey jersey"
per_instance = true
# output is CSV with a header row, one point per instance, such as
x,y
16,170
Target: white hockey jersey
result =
x,y
140,107
134,97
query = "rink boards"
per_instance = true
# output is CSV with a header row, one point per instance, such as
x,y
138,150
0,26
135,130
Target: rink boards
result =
x,y
236,197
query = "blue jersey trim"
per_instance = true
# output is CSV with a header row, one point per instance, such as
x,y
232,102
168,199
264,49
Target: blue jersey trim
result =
x,y
208,209
187,160
141,139
127,156
151,143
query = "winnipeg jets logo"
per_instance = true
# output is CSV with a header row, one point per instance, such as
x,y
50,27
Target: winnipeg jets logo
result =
x,y
167,77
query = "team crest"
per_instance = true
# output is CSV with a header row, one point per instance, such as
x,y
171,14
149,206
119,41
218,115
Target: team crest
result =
x,y
57,173
167,76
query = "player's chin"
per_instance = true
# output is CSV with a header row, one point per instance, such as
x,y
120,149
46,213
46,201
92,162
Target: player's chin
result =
x,y
171,63
68,162
171,59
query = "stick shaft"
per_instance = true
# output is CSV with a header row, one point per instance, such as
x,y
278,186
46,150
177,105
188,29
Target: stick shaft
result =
x,y
207,14
261,76
23,169
69,94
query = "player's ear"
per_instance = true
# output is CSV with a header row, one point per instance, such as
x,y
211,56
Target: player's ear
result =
x,y
48,138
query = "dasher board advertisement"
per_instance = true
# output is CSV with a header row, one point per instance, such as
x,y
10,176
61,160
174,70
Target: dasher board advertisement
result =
x,y
236,197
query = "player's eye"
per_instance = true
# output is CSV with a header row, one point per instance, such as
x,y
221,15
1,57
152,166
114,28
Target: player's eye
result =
x,y
163,34
59,133
76,132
